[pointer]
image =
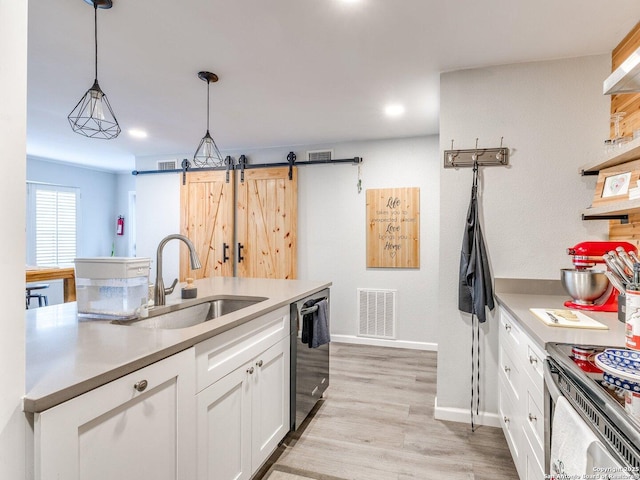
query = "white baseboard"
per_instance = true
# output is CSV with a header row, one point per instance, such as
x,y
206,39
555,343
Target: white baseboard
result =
x,y
463,415
382,342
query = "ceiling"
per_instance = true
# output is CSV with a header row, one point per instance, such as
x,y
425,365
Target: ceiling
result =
x,y
292,72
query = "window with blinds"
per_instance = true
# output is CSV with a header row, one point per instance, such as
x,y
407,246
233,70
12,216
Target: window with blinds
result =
x,y
52,224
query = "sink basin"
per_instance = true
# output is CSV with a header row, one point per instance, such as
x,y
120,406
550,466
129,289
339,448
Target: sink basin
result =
x,y
192,314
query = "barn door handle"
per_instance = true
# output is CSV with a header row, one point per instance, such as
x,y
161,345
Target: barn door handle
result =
x,y
225,249
240,257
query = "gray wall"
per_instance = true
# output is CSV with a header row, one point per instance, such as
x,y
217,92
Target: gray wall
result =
x,y
104,196
554,118
98,204
331,228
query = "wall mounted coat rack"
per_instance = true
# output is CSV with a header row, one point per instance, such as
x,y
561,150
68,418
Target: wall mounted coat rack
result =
x,y
242,164
483,157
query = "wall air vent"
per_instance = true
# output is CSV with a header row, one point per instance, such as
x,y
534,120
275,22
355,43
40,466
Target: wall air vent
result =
x,y
167,165
319,155
377,313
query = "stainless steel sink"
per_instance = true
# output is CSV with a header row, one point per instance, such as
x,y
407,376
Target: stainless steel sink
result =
x,y
188,316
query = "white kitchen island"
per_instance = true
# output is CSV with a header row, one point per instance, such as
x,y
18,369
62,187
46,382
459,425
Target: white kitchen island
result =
x,y
207,401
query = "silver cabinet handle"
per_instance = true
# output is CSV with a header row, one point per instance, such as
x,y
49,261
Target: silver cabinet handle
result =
x,y
250,370
532,418
141,385
506,419
507,327
507,369
259,363
532,360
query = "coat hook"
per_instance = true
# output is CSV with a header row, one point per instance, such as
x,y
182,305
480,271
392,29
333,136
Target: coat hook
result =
x,y
474,157
499,154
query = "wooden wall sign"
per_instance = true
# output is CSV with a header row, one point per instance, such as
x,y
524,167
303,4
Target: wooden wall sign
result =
x,y
393,228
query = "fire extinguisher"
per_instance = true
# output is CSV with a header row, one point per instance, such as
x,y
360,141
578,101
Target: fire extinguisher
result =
x,y
120,226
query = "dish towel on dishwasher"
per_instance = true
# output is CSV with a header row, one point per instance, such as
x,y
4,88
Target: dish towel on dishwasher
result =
x,y
320,325
315,325
570,439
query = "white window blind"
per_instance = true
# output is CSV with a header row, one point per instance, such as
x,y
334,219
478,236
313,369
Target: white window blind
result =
x,y
53,221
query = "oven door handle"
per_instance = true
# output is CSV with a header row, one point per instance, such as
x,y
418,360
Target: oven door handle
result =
x,y
553,389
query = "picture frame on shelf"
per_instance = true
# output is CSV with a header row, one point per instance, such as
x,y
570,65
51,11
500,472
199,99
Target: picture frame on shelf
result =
x,y
614,183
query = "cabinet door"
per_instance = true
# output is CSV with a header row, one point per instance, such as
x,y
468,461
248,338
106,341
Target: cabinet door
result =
x,y
267,223
119,432
206,218
224,427
270,401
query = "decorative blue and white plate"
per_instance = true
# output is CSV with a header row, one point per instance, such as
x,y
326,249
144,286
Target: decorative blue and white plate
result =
x,y
624,372
628,358
621,383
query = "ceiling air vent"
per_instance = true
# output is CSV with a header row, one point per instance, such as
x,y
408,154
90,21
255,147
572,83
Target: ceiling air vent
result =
x,y
168,165
319,155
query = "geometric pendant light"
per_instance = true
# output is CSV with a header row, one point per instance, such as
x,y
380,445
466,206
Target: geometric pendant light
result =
x,y
207,153
93,116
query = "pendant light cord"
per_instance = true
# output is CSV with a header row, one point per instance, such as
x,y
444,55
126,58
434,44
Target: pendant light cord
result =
x,y
95,32
208,95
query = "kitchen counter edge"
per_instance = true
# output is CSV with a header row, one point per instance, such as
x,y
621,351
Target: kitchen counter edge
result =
x,y
67,357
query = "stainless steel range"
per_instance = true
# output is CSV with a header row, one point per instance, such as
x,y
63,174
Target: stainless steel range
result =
x,y
606,408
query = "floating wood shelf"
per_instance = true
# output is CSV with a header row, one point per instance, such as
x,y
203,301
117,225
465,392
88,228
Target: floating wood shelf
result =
x,y
628,152
623,207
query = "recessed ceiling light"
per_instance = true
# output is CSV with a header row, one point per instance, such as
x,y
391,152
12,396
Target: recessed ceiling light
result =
x,y
137,133
394,110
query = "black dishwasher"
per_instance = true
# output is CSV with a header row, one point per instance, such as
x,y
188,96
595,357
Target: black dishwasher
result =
x,y
309,366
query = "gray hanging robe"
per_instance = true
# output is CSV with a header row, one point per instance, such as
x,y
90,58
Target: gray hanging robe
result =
x,y
475,289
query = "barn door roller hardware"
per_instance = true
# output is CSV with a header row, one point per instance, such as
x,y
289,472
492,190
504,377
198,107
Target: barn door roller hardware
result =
x,y
291,162
482,157
242,164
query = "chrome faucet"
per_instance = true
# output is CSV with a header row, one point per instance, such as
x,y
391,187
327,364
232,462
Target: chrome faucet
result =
x,y
160,292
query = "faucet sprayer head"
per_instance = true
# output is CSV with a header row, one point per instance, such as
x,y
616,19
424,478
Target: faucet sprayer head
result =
x,y
195,261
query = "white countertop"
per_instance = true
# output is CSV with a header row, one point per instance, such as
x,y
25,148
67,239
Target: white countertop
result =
x,y
518,305
67,357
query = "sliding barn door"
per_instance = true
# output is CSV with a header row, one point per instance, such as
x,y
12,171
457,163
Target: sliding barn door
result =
x,y
267,210
206,218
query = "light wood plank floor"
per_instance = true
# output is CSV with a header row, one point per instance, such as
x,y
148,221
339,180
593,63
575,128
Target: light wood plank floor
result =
x,y
376,423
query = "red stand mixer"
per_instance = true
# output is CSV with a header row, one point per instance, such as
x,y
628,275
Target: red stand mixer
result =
x,y
594,290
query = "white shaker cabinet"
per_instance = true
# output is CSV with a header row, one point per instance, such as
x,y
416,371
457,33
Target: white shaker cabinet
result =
x,y
521,396
138,426
243,397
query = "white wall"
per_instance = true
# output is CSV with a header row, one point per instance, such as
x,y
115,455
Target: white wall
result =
x,y
331,227
13,138
554,119
125,183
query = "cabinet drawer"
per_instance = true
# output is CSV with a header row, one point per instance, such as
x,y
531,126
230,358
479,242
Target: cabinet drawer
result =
x,y
220,355
531,463
511,335
509,421
534,365
509,372
534,422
